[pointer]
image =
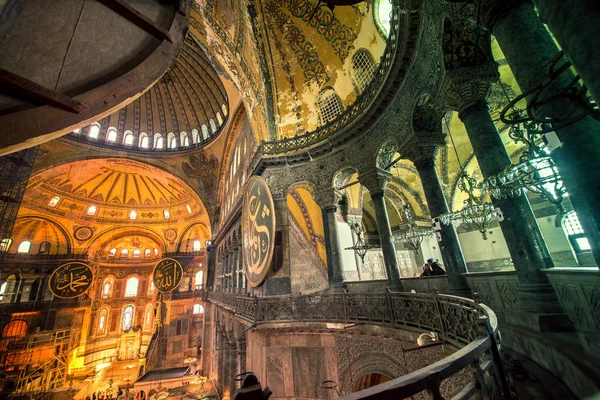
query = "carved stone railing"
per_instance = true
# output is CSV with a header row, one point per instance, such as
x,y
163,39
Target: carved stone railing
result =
x,y
462,322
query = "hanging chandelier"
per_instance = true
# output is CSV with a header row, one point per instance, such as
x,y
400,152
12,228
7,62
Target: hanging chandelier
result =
x,y
414,235
360,247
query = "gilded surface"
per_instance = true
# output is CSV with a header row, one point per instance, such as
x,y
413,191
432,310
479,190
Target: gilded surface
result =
x,y
167,274
258,230
70,280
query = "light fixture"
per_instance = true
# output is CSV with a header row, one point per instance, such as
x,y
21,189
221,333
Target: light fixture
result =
x,y
361,247
414,234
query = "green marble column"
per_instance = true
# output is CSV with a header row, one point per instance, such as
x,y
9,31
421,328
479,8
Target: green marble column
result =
x,y
523,237
452,254
529,49
328,200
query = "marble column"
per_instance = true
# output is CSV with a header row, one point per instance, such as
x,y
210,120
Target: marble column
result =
x,y
574,23
375,181
522,234
234,269
424,159
328,199
529,50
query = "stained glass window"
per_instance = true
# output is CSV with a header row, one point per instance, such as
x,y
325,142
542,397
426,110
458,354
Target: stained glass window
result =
x,y
127,317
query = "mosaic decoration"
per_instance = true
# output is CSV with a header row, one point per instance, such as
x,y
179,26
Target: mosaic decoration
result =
x,y
167,274
83,233
170,234
70,280
258,230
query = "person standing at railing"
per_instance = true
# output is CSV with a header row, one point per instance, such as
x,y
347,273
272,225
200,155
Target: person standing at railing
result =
x,y
432,268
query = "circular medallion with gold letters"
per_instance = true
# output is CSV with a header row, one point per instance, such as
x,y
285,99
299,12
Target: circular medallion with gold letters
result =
x,y
258,230
167,274
70,280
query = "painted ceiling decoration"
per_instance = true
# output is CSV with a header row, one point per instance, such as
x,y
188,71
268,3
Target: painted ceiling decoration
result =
x,y
186,108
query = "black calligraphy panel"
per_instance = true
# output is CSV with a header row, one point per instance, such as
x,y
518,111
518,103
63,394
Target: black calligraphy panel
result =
x,y
167,274
70,280
258,230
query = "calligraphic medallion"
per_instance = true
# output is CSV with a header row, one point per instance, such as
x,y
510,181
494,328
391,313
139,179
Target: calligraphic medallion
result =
x,y
70,280
258,230
167,274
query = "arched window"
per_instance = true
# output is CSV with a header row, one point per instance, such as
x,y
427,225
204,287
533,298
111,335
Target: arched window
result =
x,y
196,245
92,210
124,253
94,130
128,138
144,142
127,317
147,253
224,109
131,287
219,118
5,244
195,136
167,214
112,252
198,309
205,134
77,131
172,141
3,290
199,279
213,126
155,252
132,214
54,201
111,134
10,288
148,317
363,69
44,248
575,233
158,141
14,328
137,253
102,322
107,288
188,208
382,15
151,287
330,106
184,139
24,247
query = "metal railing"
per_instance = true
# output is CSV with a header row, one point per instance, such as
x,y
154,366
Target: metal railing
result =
x,y
464,323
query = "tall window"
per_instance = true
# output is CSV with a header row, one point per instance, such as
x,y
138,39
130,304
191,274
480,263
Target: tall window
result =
x,y
363,68
151,287
44,247
102,321
199,279
127,317
5,244
3,290
330,106
131,287
144,143
147,253
107,288
128,138
198,309
219,118
92,210
196,245
213,126
111,134
172,141
184,139
24,247
54,201
204,129
158,141
94,130
224,109
575,233
148,317
195,136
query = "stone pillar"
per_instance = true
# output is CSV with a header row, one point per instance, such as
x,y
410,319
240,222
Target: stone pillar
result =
x,y
279,283
523,237
328,199
529,50
574,23
423,157
234,268
375,181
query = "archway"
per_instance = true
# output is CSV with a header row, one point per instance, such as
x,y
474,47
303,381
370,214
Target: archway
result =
x,y
369,380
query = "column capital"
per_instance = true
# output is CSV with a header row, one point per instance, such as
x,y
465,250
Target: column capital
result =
x,y
375,180
327,197
465,86
422,147
494,10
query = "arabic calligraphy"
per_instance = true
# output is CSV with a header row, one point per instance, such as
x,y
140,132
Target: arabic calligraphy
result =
x,y
167,274
258,230
70,280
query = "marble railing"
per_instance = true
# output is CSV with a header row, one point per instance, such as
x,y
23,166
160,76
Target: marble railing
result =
x,y
462,322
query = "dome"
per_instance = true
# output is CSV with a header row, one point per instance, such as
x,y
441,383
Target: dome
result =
x,y
186,108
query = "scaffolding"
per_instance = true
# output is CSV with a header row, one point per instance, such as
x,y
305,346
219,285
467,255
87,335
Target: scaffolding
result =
x,y
15,170
39,361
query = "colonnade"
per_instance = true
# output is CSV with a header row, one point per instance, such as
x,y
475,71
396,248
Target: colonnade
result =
x,y
231,277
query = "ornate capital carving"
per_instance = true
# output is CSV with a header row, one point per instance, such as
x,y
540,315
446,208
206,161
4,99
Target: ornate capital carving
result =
x,y
466,86
375,180
327,197
422,147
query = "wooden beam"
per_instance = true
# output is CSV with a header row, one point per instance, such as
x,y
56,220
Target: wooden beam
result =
x,y
137,18
23,88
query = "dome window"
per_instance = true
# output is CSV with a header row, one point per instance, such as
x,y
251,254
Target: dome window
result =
x,y
112,252
92,210
128,138
132,214
94,131
54,201
196,245
189,209
111,135
24,247
167,214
